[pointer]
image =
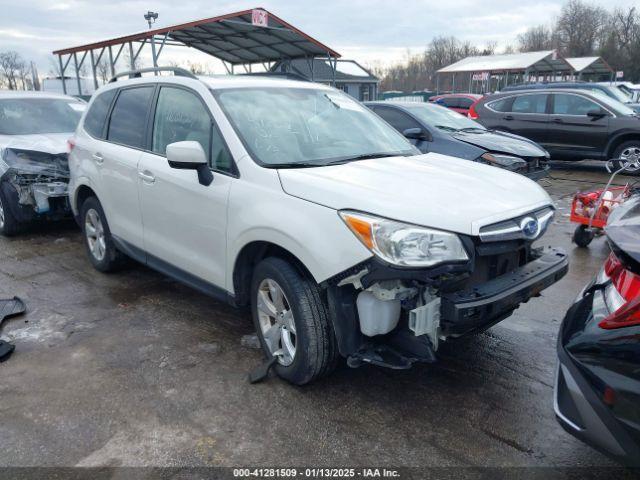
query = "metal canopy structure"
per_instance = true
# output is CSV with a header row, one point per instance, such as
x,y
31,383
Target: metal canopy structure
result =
x,y
589,66
244,38
522,66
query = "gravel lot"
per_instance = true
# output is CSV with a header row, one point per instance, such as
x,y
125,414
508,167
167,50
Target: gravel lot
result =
x,y
133,369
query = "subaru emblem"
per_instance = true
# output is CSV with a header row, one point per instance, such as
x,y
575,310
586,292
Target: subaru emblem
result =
x,y
530,227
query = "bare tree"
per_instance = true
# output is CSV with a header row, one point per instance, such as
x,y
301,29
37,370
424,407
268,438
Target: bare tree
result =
x,y
11,64
103,71
535,39
579,27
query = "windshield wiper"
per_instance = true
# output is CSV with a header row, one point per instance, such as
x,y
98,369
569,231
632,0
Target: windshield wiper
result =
x,y
447,127
365,156
472,129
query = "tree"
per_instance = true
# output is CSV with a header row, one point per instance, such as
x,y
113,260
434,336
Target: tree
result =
x,y
11,67
535,39
103,71
579,27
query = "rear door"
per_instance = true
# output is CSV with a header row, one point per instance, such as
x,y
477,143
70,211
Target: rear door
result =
x,y
572,133
118,159
528,117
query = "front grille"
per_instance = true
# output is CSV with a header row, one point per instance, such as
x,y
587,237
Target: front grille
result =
x,y
511,229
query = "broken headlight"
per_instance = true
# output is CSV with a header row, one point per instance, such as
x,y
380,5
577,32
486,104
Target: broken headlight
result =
x,y
404,244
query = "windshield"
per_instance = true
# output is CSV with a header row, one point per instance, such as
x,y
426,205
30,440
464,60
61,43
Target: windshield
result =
x,y
614,104
443,117
615,92
289,127
28,116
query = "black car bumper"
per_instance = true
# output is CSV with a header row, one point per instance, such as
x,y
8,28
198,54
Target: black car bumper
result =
x,y
537,174
486,304
580,408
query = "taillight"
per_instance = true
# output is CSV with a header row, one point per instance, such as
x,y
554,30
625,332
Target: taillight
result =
x,y
627,284
472,113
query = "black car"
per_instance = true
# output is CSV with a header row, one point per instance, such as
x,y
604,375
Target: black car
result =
x,y
597,391
610,91
569,124
434,128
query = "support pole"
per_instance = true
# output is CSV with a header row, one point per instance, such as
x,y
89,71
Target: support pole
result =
x,y
111,65
453,84
75,62
132,60
62,69
154,57
93,69
437,84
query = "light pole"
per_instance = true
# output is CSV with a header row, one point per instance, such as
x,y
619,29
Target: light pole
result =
x,y
151,17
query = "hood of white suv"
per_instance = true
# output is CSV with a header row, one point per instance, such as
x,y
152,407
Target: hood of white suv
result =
x,y
431,190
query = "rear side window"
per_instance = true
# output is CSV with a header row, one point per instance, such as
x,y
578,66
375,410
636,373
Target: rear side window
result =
x,y
501,105
464,102
96,117
128,118
532,103
397,119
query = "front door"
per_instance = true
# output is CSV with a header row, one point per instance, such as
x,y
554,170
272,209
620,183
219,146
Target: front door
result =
x,y
185,222
573,133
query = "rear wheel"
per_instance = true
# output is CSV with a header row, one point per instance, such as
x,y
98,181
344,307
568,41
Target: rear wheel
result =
x,y
9,226
629,153
101,250
582,236
292,322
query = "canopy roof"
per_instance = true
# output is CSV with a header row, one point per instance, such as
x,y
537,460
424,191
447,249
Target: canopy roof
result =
x,y
589,65
544,61
325,70
236,38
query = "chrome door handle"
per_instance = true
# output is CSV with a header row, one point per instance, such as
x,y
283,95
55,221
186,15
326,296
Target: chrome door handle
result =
x,y
98,158
147,176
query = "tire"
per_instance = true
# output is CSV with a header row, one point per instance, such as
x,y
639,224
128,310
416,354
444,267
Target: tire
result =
x,y
582,236
629,150
316,352
9,226
103,255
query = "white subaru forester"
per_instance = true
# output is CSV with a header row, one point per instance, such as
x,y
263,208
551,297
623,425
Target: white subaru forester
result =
x,y
293,198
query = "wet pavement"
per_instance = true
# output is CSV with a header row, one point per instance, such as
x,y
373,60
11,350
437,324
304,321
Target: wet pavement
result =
x,y
135,369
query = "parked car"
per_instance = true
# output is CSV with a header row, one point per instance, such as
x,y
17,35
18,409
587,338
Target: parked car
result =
x,y
34,128
598,378
432,128
609,90
569,124
458,102
295,199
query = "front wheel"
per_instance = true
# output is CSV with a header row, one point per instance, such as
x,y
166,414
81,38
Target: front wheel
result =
x,y
629,154
292,322
582,236
9,226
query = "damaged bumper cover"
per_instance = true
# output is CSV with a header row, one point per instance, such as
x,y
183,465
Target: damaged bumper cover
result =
x,y
35,183
452,300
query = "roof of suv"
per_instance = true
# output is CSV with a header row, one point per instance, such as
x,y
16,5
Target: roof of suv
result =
x,y
222,81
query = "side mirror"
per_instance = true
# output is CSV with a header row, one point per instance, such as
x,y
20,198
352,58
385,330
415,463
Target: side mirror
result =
x,y
189,155
595,114
417,134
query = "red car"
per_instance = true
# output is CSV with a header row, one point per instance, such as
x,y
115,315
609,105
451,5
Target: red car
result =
x,y
459,102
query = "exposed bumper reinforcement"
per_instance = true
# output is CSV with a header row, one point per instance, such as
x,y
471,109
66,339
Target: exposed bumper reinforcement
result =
x,y
484,305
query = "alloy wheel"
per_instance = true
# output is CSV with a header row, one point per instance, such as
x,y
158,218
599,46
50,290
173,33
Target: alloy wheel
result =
x,y
94,232
631,158
276,321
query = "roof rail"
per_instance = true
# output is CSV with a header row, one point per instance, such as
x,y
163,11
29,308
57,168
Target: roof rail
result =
x,y
177,71
283,75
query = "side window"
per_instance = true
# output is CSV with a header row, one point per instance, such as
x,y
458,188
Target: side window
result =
x,y
181,115
501,105
129,115
452,102
96,117
397,119
530,103
564,104
464,102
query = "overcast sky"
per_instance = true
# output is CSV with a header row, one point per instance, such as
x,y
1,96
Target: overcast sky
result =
x,y
366,30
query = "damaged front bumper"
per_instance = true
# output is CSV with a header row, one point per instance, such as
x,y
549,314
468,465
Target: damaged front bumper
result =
x,y
436,304
34,184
